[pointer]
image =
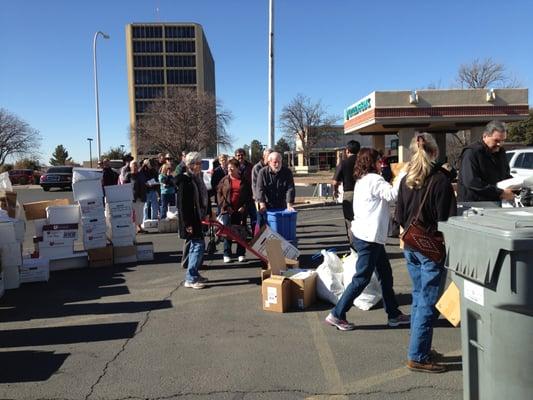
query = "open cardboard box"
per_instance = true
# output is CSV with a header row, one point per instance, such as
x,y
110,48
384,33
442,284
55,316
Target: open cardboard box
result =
x,y
37,209
260,241
281,293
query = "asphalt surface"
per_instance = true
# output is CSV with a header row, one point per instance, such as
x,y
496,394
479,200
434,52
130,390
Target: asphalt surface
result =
x,y
134,332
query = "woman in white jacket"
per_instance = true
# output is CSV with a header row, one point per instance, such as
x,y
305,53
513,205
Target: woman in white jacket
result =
x,y
371,198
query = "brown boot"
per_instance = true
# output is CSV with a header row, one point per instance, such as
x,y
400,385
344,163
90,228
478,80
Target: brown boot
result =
x,y
428,366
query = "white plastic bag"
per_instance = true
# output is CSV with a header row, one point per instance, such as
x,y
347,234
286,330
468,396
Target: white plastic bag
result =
x,y
330,285
5,182
371,295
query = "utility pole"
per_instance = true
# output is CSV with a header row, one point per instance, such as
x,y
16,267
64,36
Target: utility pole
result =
x,y
90,140
271,140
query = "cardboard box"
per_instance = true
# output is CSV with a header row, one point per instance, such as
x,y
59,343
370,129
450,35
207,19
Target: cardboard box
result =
x,y
145,251
101,257
116,193
55,252
168,225
122,241
7,232
303,288
150,223
259,243
89,244
58,215
91,207
94,229
276,294
60,232
11,261
124,254
35,270
119,207
87,190
449,305
37,210
8,202
76,260
86,174
39,224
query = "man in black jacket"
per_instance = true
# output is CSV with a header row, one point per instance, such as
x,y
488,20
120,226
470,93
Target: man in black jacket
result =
x,y
344,175
483,165
275,185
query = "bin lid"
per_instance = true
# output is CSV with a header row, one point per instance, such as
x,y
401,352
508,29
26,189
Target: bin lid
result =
x,y
477,242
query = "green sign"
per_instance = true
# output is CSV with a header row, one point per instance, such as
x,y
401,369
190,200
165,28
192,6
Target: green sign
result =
x,y
358,108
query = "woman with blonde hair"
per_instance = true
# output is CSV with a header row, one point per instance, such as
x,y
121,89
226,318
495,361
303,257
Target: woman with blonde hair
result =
x,y
428,276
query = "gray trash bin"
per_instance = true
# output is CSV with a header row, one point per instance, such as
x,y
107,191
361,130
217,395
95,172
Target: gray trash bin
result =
x,y
491,255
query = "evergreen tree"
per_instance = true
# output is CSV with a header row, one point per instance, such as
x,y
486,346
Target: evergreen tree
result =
x,y
60,156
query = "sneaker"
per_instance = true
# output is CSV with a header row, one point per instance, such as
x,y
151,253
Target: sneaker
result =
x,y
242,259
194,285
202,279
401,319
340,324
428,366
434,355
227,259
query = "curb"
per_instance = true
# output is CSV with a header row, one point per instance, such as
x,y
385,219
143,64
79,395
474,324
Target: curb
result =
x,y
307,206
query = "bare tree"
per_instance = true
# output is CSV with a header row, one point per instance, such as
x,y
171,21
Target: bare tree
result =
x,y
17,137
308,122
483,74
184,120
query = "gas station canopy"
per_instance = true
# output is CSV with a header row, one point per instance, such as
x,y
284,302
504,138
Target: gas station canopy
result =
x,y
434,110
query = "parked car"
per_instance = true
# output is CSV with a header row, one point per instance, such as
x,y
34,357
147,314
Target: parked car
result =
x,y
521,162
21,176
60,177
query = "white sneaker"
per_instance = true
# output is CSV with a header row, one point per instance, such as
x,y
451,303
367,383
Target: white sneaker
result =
x,y
227,259
194,285
242,258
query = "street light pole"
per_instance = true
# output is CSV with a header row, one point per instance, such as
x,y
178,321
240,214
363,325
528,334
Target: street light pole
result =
x,y
98,144
271,75
90,140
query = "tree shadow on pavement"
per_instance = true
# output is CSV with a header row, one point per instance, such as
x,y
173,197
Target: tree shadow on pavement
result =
x,y
29,366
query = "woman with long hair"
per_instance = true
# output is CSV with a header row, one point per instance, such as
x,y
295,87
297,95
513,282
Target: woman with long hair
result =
x,y
427,276
371,198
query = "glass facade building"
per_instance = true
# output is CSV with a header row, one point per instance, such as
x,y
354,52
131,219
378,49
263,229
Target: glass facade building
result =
x,y
163,55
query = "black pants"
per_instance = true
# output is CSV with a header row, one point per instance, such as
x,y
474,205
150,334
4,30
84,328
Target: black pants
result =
x,y
347,211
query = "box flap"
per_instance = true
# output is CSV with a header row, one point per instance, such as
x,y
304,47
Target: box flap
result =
x,y
275,256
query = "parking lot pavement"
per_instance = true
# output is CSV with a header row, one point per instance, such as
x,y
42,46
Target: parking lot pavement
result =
x,y
133,331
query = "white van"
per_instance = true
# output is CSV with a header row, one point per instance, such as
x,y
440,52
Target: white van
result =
x,y
521,162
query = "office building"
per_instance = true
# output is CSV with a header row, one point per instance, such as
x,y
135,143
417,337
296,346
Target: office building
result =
x,y
160,56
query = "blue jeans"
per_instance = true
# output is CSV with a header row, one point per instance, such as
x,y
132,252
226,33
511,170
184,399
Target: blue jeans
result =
x,y
151,205
196,257
166,200
370,257
428,279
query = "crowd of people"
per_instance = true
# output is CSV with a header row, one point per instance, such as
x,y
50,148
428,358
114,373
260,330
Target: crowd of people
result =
x,y
424,195
238,188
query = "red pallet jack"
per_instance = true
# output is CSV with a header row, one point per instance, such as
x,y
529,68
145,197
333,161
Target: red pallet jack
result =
x,y
216,228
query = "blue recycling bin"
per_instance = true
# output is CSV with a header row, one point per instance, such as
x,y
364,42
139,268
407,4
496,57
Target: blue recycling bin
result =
x,y
283,222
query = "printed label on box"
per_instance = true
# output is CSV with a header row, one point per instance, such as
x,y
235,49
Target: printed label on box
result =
x,y
272,295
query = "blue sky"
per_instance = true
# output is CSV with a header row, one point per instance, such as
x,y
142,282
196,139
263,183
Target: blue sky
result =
x,y
334,51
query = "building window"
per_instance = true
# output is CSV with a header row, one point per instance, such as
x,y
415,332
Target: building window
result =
x,y
147,46
180,46
149,92
181,77
142,106
179,31
147,31
148,61
181,61
149,77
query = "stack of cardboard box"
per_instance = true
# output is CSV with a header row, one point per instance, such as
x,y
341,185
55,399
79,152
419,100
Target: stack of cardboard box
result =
x,y
285,287
119,221
10,256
